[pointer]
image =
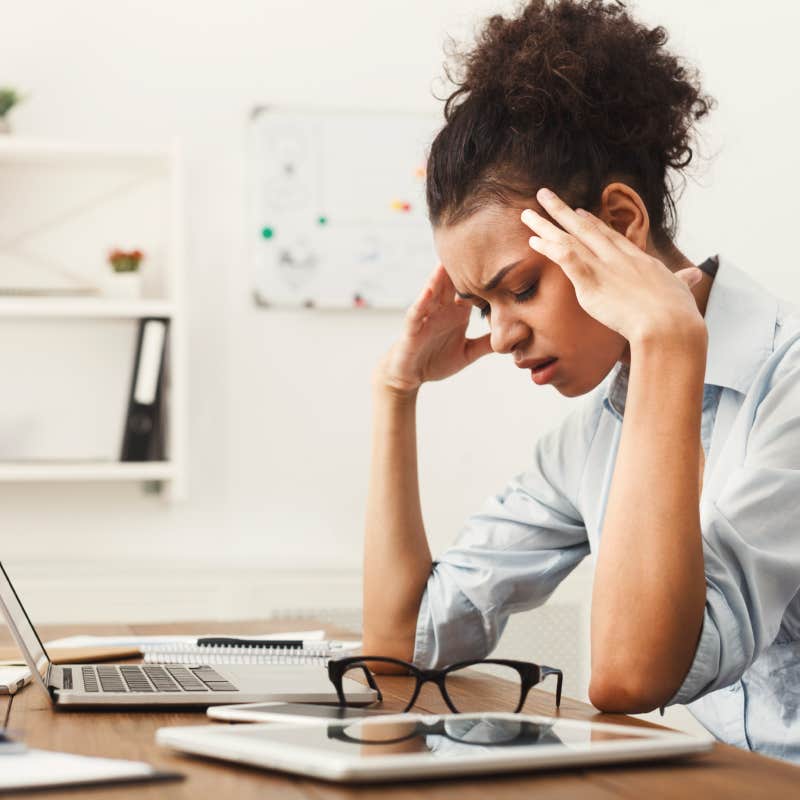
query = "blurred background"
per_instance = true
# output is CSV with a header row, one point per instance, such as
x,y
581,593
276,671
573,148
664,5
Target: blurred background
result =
x,y
258,509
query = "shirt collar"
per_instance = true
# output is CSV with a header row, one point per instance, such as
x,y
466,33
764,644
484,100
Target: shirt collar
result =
x,y
740,317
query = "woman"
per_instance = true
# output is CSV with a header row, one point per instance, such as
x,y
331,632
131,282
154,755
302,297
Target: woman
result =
x,y
549,192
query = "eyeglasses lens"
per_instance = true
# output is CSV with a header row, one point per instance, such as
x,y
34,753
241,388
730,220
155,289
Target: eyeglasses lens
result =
x,y
396,689
469,693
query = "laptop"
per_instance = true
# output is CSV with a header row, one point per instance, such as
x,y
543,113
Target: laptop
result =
x,y
139,685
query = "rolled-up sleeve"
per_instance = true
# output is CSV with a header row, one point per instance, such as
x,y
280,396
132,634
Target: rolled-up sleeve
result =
x,y
510,556
751,536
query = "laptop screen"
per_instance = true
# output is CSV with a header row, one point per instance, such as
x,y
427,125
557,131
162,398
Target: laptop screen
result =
x,y
18,619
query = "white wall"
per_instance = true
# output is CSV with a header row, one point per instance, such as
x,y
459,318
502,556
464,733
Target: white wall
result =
x,y
279,401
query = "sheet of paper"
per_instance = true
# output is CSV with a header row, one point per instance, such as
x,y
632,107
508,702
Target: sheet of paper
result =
x,y
138,641
350,645
33,768
13,678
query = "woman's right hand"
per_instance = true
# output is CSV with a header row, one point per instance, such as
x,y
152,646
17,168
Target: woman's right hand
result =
x,y
434,344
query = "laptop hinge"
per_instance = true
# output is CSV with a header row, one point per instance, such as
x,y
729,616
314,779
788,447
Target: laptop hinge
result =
x,y
48,682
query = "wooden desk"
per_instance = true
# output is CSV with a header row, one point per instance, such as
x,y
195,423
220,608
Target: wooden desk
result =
x,y
726,772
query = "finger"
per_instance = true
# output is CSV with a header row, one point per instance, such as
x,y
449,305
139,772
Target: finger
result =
x,y
547,230
622,242
541,225
436,281
419,308
581,228
443,285
567,257
475,348
562,241
691,276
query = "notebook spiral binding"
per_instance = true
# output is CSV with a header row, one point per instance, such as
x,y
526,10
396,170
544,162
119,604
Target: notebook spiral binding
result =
x,y
236,654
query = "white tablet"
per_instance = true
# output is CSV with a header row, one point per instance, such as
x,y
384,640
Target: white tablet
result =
x,y
303,713
413,746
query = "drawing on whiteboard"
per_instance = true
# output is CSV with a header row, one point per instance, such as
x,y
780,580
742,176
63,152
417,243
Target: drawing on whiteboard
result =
x,y
337,213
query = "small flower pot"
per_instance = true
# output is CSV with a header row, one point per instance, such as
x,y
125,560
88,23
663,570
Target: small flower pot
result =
x,y
123,285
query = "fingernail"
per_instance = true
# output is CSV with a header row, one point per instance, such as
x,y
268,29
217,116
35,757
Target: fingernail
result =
x,y
534,241
546,194
580,212
528,217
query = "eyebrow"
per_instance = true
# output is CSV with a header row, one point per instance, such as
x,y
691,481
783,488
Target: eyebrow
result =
x,y
492,284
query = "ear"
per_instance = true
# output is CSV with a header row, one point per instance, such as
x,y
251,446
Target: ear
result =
x,y
622,208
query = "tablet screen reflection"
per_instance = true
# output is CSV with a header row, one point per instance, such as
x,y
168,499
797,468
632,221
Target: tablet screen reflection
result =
x,y
449,735
443,736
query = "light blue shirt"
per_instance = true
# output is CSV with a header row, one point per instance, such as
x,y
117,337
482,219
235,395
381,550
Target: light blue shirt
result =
x,y
744,681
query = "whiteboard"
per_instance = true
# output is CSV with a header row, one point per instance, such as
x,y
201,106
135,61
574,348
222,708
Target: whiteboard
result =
x,y
337,207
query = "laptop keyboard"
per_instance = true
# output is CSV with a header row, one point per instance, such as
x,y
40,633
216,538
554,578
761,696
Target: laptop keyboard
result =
x,y
152,678
66,678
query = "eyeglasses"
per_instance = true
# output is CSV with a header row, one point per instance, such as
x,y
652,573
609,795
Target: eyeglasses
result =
x,y
462,691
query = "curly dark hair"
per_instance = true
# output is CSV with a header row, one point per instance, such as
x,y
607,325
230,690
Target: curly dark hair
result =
x,y
569,94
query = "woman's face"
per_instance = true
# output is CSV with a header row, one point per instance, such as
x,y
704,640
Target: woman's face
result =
x,y
529,302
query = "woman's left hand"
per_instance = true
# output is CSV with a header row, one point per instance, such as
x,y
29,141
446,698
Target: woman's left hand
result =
x,y
615,281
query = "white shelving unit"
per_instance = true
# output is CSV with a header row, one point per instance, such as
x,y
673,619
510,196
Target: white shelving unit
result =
x,y
23,472
84,307
111,187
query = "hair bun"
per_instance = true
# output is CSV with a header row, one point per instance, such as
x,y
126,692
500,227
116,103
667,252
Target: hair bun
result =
x,y
585,72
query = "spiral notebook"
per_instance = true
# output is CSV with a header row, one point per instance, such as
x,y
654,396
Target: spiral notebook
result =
x,y
224,650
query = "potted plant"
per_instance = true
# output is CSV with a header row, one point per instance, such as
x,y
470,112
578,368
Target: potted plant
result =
x,y
125,277
8,99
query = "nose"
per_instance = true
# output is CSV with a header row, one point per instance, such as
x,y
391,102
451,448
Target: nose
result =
x,y
507,331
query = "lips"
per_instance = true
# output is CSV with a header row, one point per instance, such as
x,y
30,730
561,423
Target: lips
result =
x,y
536,364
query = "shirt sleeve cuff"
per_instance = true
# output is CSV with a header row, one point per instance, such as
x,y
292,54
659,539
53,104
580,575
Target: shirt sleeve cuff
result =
x,y
449,627
704,668
423,639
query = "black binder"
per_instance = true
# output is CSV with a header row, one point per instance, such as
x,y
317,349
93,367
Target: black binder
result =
x,y
143,437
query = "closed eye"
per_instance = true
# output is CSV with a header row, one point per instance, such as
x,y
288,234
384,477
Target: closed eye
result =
x,y
527,293
521,297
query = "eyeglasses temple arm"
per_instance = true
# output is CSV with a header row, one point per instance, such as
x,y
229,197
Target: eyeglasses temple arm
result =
x,y
371,682
545,671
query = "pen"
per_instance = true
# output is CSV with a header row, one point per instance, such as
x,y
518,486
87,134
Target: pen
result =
x,y
227,641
